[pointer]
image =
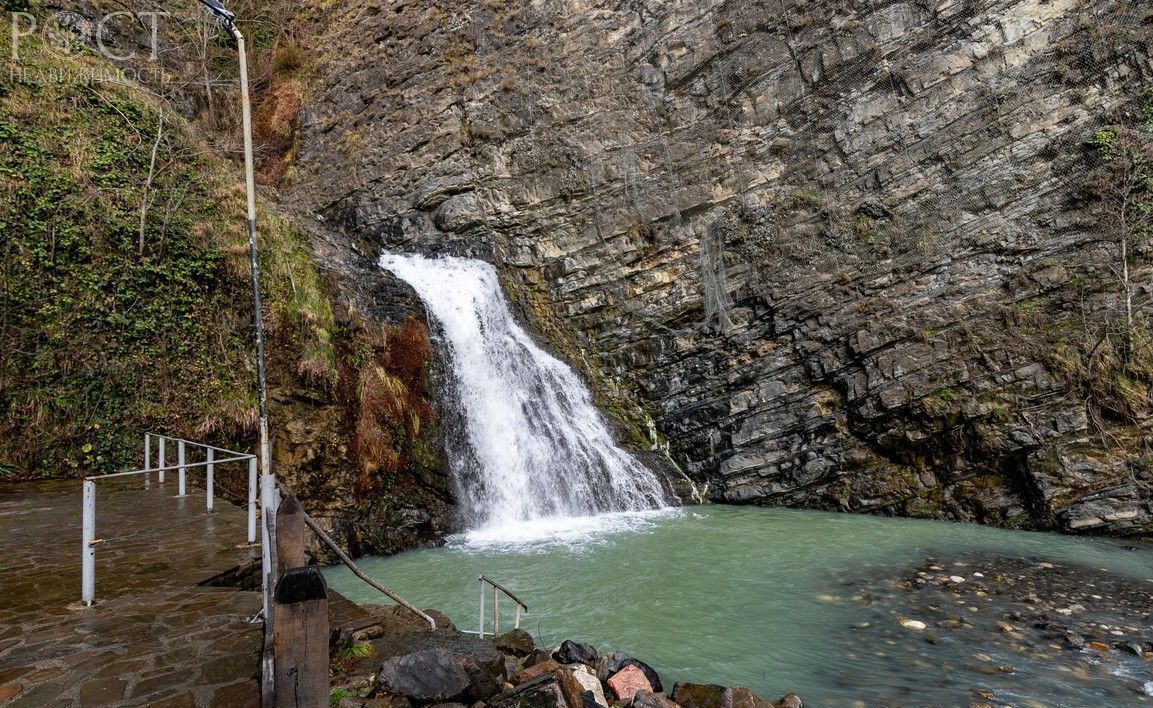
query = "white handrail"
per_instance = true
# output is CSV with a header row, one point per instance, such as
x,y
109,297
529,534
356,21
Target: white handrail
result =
x,y
189,465
497,587
88,523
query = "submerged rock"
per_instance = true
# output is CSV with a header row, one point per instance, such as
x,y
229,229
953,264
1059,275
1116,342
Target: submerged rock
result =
x,y
695,695
699,695
739,697
789,700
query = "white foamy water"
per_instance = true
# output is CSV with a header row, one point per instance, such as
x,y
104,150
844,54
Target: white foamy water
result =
x,y
543,462
548,534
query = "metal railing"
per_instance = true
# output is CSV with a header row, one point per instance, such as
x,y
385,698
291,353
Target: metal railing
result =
x,y
352,566
497,589
182,466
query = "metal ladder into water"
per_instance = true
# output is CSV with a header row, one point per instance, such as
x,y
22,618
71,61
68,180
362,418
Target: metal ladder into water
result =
x,y
497,589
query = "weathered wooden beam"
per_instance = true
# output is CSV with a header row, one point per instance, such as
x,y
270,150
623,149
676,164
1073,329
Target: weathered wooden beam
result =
x,y
300,640
290,535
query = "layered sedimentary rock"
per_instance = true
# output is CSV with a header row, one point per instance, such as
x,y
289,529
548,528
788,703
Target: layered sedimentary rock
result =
x,y
844,254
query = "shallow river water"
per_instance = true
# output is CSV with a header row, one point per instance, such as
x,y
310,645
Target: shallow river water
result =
x,y
784,600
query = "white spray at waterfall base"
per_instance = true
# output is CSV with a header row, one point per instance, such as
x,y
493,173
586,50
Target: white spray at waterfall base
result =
x,y
542,451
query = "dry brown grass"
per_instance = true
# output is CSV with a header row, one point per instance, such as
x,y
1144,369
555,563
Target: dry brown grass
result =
x,y
391,403
276,120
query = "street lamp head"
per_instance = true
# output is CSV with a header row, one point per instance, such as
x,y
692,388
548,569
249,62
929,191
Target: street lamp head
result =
x,y
220,11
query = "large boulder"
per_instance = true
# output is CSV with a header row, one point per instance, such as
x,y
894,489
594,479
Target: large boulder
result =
x,y
628,681
611,663
574,686
571,652
534,672
518,643
744,698
699,695
538,656
478,659
428,676
387,620
541,692
648,699
581,687
707,695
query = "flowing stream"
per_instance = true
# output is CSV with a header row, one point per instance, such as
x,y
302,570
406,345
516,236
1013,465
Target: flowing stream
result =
x,y
540,459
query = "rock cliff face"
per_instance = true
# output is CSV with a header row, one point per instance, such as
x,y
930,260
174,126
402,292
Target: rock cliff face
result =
x,y
847,254
360,446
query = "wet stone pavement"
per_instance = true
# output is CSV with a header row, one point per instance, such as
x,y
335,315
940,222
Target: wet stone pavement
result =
x,y
154,637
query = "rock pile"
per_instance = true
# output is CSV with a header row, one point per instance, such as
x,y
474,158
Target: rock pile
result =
x,y
451,670
984,629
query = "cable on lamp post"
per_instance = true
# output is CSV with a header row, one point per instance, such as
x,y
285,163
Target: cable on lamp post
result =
x,y
228,19
268,496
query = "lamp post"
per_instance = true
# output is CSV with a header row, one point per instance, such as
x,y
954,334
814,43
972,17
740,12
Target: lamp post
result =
x,y
229,21
268,493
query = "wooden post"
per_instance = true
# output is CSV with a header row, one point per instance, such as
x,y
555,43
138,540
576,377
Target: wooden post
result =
x,y
300,643
290,530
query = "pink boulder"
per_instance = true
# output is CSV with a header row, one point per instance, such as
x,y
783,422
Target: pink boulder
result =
x,y
626,682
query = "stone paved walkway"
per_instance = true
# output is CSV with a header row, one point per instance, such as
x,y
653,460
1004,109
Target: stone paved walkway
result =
x,y
154,638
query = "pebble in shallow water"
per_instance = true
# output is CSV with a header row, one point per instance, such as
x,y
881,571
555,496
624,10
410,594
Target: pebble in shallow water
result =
x,y
1024,640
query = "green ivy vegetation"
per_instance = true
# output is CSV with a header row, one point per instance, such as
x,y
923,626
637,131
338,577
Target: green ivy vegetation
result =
x,y
101,339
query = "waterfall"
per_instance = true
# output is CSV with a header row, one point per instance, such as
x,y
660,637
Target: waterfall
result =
x,y
537,447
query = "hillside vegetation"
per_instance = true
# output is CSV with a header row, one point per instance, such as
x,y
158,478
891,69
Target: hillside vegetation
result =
x,y
125,299
124,289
